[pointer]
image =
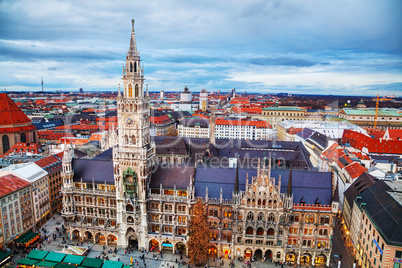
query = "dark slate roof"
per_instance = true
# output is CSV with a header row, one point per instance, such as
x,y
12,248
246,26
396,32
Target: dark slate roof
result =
x,y
171,146
307,185
171,175
93,169
383,205
305,133
50,124
294,153
363,182
191,122
319,139
108,154
79,154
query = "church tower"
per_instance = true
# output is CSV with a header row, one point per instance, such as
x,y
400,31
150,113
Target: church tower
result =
x,y
134,153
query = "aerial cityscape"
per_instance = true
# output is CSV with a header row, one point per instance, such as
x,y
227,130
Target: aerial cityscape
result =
x,y
193,148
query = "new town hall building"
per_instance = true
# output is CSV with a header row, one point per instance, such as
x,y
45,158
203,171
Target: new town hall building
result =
x,y
262,198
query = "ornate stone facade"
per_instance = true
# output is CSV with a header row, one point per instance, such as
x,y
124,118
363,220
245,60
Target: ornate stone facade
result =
x,y
130,200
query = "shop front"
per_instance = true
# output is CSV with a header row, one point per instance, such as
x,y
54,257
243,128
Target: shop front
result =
x,y
305,259
321,260
291,258
167,246
213,251
153,245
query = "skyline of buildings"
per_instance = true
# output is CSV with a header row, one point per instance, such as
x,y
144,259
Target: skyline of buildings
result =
x,y
220,46
128,173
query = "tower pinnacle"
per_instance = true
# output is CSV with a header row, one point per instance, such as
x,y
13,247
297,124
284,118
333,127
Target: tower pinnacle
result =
x,y
133,46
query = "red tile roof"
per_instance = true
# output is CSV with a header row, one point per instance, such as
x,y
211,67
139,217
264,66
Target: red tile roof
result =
x,y
239,100
51,163
332,153
11,183
354,170
23,147
10,113
247,110
393,134
160,119
294,130
360,141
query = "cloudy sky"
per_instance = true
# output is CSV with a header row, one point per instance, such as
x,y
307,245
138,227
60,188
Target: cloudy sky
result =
x,y
296,46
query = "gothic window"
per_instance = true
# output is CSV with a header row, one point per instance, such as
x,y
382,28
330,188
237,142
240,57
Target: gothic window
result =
x,y
309,219
211,212
248,201
261,216
136,90
135,67
131,107
271,231
133,139
23,137
125,139
270,203
271,217
131,67
249,230
274,203
6,144
259,202
250,216
215,213
130,91
263,202
260,231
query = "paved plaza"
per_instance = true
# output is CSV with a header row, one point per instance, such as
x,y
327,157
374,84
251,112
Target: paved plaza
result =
x,y
168,260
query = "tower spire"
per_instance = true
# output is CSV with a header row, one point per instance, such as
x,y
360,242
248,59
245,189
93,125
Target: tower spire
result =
x,y
133,44
236,186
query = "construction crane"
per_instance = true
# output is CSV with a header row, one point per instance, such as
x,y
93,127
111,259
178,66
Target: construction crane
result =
x,y
377,101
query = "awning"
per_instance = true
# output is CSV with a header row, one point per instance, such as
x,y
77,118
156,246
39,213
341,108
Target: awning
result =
x,y
4,257
63,265
27,237
112,264
73,259
37,254
48,264
28,262
92,263
55,257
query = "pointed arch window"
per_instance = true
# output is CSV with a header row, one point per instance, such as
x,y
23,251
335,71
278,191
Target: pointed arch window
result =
x,y
130,91
135,67
250,216
6,143
136,90
131,67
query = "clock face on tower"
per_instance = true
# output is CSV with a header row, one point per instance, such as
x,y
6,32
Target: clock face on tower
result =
x,y
129,121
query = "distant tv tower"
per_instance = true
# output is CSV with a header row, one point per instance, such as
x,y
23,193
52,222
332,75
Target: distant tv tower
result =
x,y
41,82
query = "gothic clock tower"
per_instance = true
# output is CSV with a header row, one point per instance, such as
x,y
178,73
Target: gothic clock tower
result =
x,y
134,153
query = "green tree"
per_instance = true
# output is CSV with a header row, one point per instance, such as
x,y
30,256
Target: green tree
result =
x,y
198,243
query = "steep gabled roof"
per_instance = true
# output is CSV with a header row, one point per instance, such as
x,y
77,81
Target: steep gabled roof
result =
x,y
10,113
